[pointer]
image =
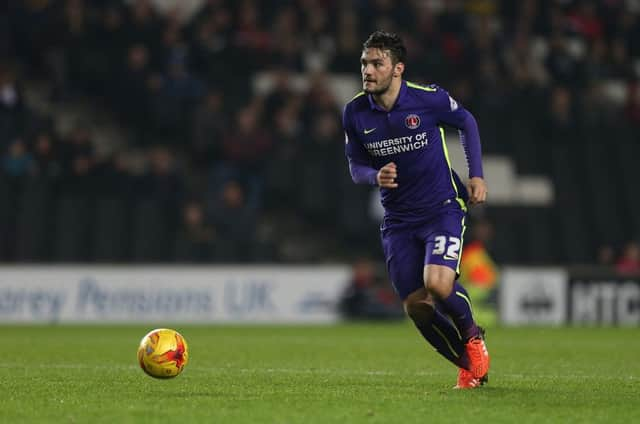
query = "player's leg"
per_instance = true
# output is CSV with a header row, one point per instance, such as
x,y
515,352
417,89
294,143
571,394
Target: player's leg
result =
x,y
405,260
443,241
439,280
461,292
437,329
454,300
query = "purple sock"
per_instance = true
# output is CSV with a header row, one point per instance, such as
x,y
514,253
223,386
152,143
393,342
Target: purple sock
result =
x,y
443,335
458,307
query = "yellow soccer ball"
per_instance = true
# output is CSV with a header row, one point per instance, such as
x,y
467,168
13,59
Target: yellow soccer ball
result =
x,y
163,353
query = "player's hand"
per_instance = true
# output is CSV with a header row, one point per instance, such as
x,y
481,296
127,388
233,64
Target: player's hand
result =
x,y
477,190
387,176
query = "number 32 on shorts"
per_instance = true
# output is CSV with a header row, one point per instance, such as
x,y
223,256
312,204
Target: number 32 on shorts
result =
x,y
449,246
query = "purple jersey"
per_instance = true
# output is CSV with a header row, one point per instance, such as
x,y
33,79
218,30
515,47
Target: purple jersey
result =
x,y
411,135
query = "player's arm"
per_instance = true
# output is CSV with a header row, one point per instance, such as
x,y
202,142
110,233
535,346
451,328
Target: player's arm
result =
x,y
362,172
450,113
360,165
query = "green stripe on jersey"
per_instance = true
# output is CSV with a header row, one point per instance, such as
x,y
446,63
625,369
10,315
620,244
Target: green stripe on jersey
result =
x,y
420,87
464,228
357,95
453,182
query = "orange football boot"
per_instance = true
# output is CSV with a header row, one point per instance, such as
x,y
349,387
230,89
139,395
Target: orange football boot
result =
x,y
466,380
478,357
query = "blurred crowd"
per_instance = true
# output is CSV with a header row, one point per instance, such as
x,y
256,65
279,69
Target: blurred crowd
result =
x,y
625,262
249,176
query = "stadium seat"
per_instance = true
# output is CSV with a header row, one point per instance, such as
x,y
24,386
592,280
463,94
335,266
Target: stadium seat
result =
x,y
8,193
110,230
574,239
34,223
152,231
505,246
627,158
602,183
539,248
72,229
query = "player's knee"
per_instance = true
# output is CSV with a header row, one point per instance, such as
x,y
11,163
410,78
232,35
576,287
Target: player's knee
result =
x,y
419,312
439,284
439,287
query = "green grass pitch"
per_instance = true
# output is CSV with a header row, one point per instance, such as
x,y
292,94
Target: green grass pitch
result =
x,y
352,373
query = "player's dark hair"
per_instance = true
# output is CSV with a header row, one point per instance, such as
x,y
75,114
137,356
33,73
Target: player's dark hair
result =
x,y
387,41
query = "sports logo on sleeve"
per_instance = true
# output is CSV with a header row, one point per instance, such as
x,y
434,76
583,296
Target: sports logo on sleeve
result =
x,y
453,104
412,121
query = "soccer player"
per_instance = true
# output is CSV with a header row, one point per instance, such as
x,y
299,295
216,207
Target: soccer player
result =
x,y
395,140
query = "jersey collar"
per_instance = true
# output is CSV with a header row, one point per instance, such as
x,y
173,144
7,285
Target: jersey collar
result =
x,y
401,97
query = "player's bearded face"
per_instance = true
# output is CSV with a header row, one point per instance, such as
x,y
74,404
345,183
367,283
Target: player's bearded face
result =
x,y
377,70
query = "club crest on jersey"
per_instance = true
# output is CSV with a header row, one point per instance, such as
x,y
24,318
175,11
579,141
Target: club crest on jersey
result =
x,y
412,121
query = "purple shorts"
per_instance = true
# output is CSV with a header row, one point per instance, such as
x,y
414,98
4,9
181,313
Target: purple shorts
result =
x,y
408,247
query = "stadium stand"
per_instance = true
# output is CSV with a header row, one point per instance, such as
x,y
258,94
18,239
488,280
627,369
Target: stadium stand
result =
x,y
116,116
